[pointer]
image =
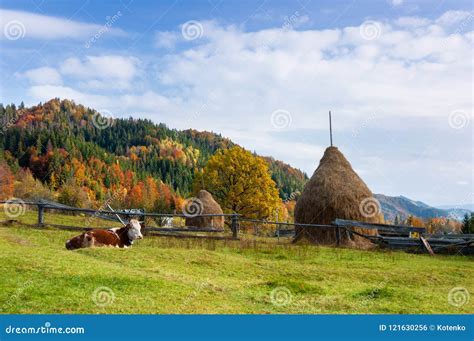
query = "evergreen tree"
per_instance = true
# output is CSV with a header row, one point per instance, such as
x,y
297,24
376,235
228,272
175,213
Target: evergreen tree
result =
x,y
468,224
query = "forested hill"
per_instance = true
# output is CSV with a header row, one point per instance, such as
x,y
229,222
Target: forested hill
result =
x,y
60,140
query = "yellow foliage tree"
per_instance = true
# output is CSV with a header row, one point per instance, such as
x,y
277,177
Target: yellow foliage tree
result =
x,y
240,182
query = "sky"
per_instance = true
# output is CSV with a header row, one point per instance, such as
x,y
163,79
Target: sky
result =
x,y
396,74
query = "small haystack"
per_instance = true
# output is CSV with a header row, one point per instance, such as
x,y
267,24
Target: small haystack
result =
x,y
205,204
335,191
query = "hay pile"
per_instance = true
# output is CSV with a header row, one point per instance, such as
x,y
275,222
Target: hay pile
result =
x,y
206,204
335,191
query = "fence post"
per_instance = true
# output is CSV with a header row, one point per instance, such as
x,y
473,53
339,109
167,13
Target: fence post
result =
x,y
40,215
277,226
143,225
338,235
235,226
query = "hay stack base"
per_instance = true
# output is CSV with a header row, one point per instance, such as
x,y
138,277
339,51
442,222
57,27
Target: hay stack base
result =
x,y
207,206
335,191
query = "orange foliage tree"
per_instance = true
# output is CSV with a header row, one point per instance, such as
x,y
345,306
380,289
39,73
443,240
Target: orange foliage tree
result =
x,y
6,181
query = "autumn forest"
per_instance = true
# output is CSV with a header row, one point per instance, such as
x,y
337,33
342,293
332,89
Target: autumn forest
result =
x,y
66,152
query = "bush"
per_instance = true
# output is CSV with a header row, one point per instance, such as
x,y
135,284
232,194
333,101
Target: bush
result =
x,y
27,187
73,195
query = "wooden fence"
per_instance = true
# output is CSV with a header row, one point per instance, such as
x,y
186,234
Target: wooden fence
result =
x,y
124,215
388,236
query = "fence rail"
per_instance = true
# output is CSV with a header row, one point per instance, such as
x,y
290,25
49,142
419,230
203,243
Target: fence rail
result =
x,y
379,227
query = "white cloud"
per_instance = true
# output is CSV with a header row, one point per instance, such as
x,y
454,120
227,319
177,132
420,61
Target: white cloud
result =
x,y
46,92
454,17
150,101
230,77
403,72
295,20
230,81
167,39
412,22
396,2
266,144
43,75
39,26
462,183
103,67
102,72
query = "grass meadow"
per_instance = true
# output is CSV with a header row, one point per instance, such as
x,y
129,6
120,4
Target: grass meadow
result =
x,y
165,275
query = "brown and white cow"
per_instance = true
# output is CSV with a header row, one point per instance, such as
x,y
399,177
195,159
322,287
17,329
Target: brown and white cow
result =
x,y
116,237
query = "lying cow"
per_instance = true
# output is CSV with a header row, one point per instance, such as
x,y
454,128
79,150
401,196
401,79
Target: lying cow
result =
x,y
116,237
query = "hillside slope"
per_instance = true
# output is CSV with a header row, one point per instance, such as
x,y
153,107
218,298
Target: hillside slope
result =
x,y
59,139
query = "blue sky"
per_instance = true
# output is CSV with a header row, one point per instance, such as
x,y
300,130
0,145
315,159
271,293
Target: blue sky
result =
x,y
397,75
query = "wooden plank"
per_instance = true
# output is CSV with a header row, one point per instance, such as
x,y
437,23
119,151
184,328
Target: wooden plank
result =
x,y
453,236
447,241
179,229
380,227
118,217
282,223
427,245
185,235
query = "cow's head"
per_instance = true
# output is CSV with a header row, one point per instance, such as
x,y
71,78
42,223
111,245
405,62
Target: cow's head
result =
x,y
134,230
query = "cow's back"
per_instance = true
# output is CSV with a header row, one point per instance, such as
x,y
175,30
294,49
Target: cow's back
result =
x,y
94,238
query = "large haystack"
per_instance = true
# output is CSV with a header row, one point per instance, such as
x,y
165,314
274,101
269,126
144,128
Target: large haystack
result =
x,y
206,204
334,191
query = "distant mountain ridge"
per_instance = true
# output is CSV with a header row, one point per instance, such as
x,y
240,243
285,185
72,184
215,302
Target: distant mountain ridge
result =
x,y
404,207
469,207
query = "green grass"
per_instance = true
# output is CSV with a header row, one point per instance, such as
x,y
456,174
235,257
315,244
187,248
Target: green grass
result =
x,y
168,275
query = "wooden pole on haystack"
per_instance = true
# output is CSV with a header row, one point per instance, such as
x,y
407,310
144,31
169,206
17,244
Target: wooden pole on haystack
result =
x,y
330,127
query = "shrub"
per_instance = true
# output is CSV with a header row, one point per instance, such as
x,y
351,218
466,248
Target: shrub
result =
x,y
27,187
73,195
